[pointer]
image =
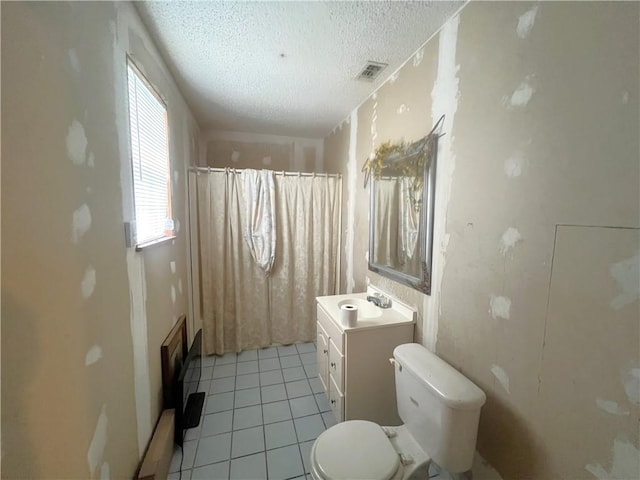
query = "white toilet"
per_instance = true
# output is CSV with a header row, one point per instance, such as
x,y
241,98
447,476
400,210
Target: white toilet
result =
x,y
440,409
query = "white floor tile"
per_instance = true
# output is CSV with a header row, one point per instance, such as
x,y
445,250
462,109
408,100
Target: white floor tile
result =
x,y
305,451
220,385
251,467
248,397
247,381
188,450
323,402
208,360
283,463
219,402
247,441
276,412
290,361
217,423
288,350
316,386
329,419
247,417
299,388
292,374
227,358
308,428
307,358
220,371
186,475
216,471
248,355
213,449
204,386
206,373
303,406
280,434
270,352
247,367
311,370
306,347
193,433
273,393
271,378
269,364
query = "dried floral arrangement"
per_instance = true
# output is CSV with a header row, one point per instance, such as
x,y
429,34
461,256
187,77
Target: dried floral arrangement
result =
x,y
403,159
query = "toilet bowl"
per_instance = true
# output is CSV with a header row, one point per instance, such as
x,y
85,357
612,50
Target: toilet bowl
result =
x,y
440,409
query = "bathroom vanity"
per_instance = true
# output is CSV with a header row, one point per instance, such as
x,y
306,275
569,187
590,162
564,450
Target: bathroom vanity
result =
x,y
353,363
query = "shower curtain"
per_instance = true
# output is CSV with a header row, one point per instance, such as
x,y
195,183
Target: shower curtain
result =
x,y
241,306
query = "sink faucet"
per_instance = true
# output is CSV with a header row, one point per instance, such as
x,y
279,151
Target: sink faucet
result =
x,y
379,300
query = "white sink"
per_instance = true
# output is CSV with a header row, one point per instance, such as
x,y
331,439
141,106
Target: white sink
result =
x,y
366,309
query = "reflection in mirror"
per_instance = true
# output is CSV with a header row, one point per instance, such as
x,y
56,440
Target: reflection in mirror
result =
x,y
401,210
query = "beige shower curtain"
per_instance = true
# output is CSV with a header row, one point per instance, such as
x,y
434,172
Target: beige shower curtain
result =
x,y
241,307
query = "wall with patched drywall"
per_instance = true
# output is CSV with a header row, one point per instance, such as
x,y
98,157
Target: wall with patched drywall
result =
x,y
251,150
537,225
83,316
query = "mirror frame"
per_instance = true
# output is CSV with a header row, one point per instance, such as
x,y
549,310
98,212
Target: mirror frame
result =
x,y
422,282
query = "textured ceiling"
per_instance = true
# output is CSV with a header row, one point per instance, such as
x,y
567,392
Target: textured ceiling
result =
x,y
285,68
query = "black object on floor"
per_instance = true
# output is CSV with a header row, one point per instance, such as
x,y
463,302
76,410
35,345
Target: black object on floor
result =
x,y
193,410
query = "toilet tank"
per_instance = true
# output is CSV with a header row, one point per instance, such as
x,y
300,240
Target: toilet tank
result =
x,y
439,406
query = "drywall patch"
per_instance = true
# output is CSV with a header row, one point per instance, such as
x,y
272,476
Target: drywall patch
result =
x,y
73,59
632,385
351,205
91,160
626,273
76,143
98,442
177,225
510,237
266,160
235,156
176,177
93,355
521,97
180,286
81,223
526,22
173,294
88,283
625,97
402,109
418,57
514,165
500,307
172,266
611,407
104,472
624,464
392,79
138,324
444,95
501,376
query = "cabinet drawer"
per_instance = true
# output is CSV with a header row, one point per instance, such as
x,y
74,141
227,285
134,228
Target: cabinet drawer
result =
x,y
336,364
336,400
333,331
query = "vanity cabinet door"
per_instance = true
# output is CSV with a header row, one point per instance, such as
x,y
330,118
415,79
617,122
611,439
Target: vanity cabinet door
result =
x,y
336,400
323,357
336,364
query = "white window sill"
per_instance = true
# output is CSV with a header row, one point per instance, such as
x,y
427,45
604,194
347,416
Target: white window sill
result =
x,y
152,243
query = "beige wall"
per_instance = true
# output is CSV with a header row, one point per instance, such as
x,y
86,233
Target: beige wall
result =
x,y
537,239
258,151
82,316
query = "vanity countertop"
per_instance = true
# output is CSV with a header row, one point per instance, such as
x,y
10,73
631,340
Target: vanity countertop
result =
x,y
382,317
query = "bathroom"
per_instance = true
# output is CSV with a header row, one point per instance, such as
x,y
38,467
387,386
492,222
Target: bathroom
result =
x,y
539,163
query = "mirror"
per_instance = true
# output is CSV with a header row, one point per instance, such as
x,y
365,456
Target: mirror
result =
x,y
402,209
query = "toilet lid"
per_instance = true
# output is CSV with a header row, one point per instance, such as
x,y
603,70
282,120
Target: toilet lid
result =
x,y
356,449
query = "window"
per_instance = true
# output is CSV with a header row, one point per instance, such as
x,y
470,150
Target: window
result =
x,y
150,160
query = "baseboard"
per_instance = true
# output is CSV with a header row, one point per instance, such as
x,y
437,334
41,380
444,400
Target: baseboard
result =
x,y
157,460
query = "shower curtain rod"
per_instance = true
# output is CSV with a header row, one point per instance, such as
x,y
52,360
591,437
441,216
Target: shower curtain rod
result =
x,y
279,172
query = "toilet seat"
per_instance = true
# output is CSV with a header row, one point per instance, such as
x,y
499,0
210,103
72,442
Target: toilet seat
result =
x,y
356,449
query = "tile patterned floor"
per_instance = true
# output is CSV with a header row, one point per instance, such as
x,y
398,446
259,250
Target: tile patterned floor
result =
x,y
263,410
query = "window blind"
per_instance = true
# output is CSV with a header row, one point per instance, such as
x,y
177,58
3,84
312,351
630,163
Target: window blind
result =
x,y
150,160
